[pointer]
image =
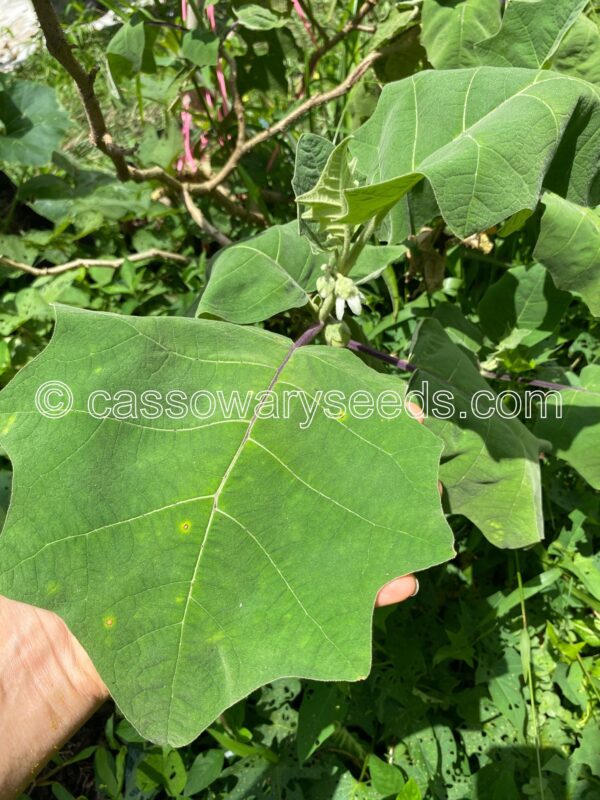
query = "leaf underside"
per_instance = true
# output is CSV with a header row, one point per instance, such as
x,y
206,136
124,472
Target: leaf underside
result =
x,y
199,559
487,156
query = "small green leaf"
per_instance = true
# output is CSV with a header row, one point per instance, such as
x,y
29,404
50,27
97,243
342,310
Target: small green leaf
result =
x,y
257,18
523,305
322,712
325,204
312,153
410,791
129,52
200,47
205,769
260,277
385,778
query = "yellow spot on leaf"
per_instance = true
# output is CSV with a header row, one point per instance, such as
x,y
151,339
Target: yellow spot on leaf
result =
x,y
185,526
216,637
109,621
9,423
52,587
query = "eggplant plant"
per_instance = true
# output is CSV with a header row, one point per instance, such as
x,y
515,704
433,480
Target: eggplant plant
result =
x,y
192,548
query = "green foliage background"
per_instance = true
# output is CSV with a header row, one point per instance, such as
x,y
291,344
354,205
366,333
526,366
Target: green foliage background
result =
x,y
485,684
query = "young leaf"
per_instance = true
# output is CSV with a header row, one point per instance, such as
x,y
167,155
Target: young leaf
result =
x,y
312,153
490,465
487,154
450,30
275,271
193,553
569,246
130,50
322,712
575,435
530,33
324,204
263,276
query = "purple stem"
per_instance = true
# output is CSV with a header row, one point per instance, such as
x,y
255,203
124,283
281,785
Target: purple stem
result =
x,y
389,359
400,363
308,335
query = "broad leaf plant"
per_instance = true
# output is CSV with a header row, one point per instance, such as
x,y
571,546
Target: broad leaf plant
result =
x,y
194,558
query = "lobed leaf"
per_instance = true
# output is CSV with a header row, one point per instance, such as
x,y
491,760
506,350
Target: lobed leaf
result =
x,y
195,558
530,32
487,156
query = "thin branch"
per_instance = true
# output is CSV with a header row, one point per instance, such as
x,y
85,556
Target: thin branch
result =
x,y
313,102
108,263
60,49
201,220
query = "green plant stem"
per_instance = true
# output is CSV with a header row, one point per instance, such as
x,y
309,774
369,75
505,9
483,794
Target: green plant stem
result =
x,y
529,677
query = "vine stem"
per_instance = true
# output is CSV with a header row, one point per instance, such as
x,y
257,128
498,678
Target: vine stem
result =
x,y
400,363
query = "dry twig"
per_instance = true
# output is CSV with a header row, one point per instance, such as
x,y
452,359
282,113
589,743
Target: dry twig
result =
x,y
108,263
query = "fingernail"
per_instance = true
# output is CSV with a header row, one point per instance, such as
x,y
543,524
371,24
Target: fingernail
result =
x,y
417,587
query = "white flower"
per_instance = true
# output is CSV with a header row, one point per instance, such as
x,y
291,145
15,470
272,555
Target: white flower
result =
x,y
347,292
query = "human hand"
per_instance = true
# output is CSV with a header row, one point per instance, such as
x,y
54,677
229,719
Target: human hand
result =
x,y
48,689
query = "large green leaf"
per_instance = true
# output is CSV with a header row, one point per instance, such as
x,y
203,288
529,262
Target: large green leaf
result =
x,y
579,51
569,246
490,465
195,558
523,307
530,33
275,271
575,432
487,155
32,123
451,29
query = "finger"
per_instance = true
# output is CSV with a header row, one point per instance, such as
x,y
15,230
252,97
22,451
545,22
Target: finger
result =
x,y
416,411
397,590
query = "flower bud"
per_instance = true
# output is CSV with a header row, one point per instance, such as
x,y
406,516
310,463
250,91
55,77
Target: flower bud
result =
x,y
337,334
